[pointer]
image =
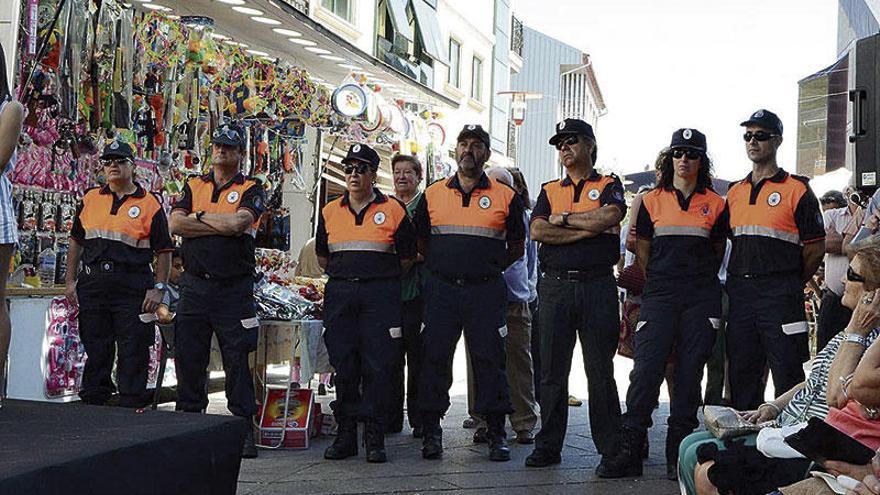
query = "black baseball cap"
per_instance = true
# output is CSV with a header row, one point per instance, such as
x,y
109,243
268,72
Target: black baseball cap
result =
x,y
230,134
476,131
570,127
688,138
362,153
117,149
766,119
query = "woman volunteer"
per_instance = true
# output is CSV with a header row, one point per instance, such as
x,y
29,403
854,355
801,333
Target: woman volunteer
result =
x,y
365,240
680,228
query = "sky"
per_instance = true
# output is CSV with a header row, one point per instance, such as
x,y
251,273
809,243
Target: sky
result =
x,y
705,64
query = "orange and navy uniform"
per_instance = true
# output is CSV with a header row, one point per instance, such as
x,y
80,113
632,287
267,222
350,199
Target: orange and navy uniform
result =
x,y
682,232
591,193
126,231
365,245
219,256
770,222
468,233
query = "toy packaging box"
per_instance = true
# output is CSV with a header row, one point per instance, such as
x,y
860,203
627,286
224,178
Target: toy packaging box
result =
x,y
301,423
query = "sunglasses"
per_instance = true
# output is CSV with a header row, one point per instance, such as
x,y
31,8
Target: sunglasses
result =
x,y
760,136
118,162
852,276
570,141
361,168
691,154
227,133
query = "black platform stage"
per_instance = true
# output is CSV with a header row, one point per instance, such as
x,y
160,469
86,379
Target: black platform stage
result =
x,y
72,449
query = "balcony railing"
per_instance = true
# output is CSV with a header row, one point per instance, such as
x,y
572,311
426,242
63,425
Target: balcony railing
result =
x,y
300,5
516,36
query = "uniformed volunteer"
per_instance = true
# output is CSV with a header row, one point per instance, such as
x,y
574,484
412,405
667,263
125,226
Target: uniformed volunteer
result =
x,y
577,221
681,228
217,216
117,230
778,243
470,229
364,241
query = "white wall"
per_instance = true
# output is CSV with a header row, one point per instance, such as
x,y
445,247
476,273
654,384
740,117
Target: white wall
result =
x,y
359,32
9,12
301,203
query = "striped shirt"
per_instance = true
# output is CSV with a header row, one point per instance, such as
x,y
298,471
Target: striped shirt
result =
x,y
8,220
811,401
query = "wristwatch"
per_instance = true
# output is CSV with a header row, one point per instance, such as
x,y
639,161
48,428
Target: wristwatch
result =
x,y
199,215
855,339
565,215
160,286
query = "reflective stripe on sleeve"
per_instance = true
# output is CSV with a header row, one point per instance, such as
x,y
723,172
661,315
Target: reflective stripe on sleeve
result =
x,y
469,230
378,247
682,230
118,236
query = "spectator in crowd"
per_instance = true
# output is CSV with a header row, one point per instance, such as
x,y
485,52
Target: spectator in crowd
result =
x,y
307,264
832,200
806,400
833,316
12,115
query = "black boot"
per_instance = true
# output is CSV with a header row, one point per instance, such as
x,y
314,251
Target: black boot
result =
x,y
374,442
627,461
248,449
497,437
674,436
345,445
432,438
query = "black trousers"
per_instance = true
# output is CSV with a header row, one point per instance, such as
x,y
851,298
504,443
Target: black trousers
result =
x,y
479,310
536,348
410,361
833,317
225,308
587,309
767,326
364,341
109,323
684,317
716,366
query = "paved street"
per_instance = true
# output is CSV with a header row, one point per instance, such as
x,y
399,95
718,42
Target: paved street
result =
x,y
465,467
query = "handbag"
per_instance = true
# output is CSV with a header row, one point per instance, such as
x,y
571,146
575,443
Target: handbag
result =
x,y
632,279
725,422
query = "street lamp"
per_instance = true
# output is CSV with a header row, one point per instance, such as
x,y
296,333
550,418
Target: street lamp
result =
x,y
518,104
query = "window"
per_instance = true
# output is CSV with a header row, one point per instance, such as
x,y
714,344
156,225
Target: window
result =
x,y
341,8
477,79
454,63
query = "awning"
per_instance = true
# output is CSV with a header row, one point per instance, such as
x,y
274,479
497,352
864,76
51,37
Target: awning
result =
x,y
397,12
432,41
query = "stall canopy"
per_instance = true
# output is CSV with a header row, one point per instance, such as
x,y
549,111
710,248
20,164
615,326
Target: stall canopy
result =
x,y
276,29
426,17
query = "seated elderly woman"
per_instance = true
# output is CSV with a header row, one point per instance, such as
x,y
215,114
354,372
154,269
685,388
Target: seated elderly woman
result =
x,y
809,399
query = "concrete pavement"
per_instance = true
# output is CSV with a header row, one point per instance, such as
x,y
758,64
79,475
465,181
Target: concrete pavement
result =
x,y
465,467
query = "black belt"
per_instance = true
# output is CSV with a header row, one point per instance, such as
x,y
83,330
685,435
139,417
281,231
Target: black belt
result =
x,y
462,281
578,275
114,267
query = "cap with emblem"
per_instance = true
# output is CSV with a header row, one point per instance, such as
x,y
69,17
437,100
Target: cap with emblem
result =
x,y
362,153
569,127
690,139
475,131
117,149
766,119
230,134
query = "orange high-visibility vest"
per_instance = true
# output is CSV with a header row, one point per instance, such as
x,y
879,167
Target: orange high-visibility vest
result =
x,y
486,215
562,198
670,220
226,202
130,225
375,233
770,213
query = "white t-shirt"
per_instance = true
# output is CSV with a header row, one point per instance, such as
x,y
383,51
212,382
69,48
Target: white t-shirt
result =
x,y
835,264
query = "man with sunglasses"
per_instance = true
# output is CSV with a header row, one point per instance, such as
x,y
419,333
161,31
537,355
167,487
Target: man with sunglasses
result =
x,y
577,221
778,244
217,216
117,229
470,230
364,241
